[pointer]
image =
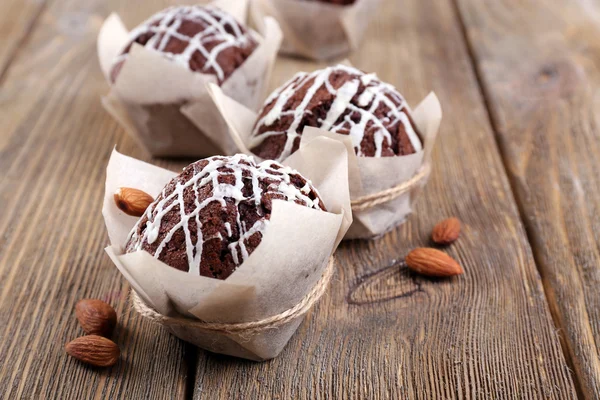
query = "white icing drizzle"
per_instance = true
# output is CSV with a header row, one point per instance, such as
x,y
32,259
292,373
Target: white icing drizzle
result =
x,y
209,175
165,26
376,94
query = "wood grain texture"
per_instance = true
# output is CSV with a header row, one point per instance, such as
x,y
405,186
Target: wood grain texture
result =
x,y
55,143
383,332
539,62
16,22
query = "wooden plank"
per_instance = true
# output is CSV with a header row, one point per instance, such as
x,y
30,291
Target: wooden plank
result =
x,y
17,20
539,63
383,332
56,139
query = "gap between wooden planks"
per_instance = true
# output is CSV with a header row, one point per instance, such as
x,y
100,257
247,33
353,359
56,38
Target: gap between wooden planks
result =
x,y
487,334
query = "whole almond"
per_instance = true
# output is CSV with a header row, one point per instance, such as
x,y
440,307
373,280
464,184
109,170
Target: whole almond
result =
x,y
96,317
432,262
132,202
94,350
446,231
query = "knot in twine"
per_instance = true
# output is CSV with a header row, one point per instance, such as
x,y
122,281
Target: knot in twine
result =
x,y
244,328
375,199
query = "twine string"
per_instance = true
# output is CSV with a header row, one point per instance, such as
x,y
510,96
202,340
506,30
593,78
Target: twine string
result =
x,y
375,199
245,328
360,204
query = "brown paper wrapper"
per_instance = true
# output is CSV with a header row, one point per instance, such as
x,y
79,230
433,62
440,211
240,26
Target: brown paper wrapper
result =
x,y
367,175
165,106
316,30
287,264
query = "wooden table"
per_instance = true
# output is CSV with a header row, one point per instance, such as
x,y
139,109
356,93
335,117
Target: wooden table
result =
x,y
517,161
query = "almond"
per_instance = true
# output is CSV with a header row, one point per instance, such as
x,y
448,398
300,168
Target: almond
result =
x,y
132,201
94,350
96,317
432,262
446,231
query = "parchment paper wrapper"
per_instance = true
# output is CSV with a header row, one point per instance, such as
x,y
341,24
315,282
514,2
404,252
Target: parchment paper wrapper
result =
x,y
316,30
165,106
367,175
287,264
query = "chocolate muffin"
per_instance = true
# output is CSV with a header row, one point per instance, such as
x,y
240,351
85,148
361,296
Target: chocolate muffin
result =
x,y
204,39
211,217
339,99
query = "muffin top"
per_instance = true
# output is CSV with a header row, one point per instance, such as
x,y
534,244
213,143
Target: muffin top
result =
x,y
204,39
212,216
342,100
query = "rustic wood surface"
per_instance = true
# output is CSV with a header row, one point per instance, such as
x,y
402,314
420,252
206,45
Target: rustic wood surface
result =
x,y
540,66
53,154
17,20
381,332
